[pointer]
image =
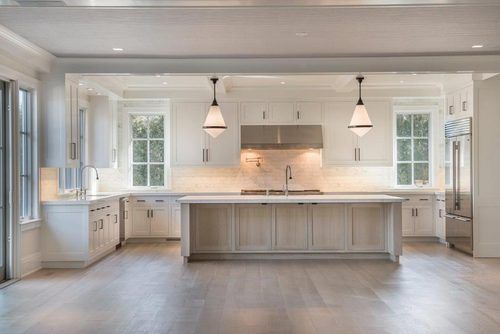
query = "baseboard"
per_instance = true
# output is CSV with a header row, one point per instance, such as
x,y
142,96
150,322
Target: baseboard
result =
x,y
31,263
139,240
287,256
421,239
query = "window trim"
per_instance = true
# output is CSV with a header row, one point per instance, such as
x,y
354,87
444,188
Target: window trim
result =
x,y
432,110
26,140
166,148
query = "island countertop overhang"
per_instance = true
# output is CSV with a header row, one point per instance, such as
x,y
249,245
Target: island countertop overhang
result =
x,y
249,199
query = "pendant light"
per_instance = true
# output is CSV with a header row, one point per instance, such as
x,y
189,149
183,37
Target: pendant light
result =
x,y
214,123
360,121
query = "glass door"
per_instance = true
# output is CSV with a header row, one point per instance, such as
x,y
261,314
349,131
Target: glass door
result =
x,y
3,220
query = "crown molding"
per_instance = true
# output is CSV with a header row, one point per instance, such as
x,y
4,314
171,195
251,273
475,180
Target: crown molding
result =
x,y
24,52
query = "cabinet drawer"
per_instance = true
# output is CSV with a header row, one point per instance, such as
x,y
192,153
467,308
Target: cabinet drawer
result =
x,y
421,200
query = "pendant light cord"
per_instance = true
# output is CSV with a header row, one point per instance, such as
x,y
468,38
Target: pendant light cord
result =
x,y
214,80
360,79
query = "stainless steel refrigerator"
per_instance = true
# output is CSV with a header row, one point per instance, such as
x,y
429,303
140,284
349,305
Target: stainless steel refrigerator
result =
x,y
458,162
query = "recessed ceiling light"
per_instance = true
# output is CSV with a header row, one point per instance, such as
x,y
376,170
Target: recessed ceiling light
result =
x,y
158,75
80,84
98,93
477,46
165,83
117,49
301,34
414,74
90,89
401,81
282,82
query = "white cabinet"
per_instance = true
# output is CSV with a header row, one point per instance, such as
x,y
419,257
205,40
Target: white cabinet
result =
x,y
440,220
72,123
460,103
92,234
154,216
342,147
268,113
281,113
194,147
418,216
102,132
309,113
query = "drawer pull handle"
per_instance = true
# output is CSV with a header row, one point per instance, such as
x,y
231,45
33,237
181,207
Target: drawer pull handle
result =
x,y
141,200
159,200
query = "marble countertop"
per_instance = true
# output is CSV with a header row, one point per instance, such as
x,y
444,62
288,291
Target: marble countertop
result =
x,y
291,199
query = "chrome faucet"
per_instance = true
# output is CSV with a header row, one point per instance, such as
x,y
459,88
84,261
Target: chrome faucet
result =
x,y
83,192
288,176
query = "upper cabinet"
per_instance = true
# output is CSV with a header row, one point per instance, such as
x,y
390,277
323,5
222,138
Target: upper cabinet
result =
x,y
194,147
254,113
343,147
459,104
60,123
102,132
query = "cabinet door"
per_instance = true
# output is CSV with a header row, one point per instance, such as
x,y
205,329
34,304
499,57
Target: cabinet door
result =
x,y
309,113
408,221
189,138
115,222
375,148
450,107
366,227
282,113
466,101
424,222
72,128
327,228
174,229
160,218
93,238
101,236
140,221
254,113
457,106
253,224
212,227
290,227
128,220
114,134
225,149
339,142
100,132
439,219
108,230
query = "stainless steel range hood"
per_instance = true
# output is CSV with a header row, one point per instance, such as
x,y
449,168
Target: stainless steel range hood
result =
x,y
281,137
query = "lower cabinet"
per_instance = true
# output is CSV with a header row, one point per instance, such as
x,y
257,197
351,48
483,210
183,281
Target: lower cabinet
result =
x,y
440,220
253,227
327,230
418,216
366,227
212,227
290,227
155,217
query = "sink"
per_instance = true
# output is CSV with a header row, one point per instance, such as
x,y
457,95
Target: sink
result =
x,y
274,192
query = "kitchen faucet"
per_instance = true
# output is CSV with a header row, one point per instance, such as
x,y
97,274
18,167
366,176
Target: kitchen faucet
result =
x,y
287,177
83,192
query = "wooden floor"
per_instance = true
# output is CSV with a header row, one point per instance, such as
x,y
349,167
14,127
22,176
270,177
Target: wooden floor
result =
x,y
147,289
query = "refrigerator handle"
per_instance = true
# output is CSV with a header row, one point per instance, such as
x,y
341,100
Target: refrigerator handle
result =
x,y
457,190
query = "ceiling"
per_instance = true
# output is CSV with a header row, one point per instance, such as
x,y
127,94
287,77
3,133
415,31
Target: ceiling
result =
x,y
200,32
338,82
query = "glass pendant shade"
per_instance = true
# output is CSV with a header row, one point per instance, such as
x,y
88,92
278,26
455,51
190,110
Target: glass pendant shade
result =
x,y
361,123
214,122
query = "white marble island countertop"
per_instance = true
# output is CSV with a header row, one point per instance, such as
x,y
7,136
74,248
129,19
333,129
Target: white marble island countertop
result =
x,y
291,199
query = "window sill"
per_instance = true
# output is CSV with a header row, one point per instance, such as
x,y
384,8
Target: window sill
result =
x,y
30,224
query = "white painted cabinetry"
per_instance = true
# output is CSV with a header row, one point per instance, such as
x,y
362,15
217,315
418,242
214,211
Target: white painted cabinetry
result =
x,y
342,147
102,131
282,113
418,216
460,103
194,147
72,123
440,220
155,217
74,236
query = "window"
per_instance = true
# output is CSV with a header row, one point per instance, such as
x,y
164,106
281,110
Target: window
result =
x,y
69,178
147,142
413,163
25,147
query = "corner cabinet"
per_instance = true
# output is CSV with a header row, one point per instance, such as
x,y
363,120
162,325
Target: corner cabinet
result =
x,y
194,147
342,147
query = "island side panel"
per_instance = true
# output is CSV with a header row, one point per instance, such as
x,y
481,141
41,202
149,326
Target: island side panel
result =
x,y
395,230
185,231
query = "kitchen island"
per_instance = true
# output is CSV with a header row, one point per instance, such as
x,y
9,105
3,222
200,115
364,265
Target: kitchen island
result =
x,y
291,227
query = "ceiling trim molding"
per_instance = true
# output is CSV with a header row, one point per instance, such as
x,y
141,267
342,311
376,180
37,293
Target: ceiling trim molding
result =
x,y
25,52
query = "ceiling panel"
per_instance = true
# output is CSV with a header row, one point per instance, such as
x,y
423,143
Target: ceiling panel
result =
x,y
258,32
